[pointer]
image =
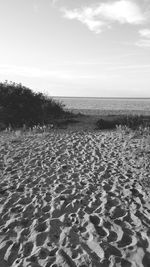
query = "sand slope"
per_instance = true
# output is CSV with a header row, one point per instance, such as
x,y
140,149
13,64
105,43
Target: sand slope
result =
x,y
74,199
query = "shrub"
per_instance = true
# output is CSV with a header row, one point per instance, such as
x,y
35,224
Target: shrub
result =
x,y
132,122
105,124
2,126
20,106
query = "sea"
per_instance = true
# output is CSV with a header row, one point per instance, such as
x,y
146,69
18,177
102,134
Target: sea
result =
x,y
98,105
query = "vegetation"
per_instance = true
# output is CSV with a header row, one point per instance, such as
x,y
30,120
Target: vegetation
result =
x,y
20,106
132,122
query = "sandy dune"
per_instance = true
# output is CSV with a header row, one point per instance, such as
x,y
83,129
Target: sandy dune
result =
x,y
74,199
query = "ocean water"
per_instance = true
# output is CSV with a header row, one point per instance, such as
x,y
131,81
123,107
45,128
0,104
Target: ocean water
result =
x,y
93,105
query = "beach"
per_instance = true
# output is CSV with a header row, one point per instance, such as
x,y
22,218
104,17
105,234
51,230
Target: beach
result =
x,y
75,133
74,198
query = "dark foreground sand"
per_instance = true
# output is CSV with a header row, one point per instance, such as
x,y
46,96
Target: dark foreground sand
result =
x,y
73,198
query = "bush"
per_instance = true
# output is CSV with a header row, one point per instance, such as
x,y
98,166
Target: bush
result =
x,y
63,123
105,124
132,122
20,106
2,126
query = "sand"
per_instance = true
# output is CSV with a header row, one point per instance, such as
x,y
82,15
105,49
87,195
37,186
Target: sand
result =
x,y
74,198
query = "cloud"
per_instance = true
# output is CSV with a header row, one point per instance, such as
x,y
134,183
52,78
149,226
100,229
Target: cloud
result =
x,y
145,33
24,71
100,16
67,75
54,2
86,18
121,11
142,67
34,72
144,41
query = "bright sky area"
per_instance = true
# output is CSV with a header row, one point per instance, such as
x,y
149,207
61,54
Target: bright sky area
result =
x,y
77,48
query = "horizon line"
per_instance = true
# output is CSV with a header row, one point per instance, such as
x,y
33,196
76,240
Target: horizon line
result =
x,y
104,97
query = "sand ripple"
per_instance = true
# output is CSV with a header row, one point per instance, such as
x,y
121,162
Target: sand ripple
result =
x,y
74,199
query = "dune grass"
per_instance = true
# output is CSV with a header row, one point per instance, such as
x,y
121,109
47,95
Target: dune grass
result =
x,y
132,121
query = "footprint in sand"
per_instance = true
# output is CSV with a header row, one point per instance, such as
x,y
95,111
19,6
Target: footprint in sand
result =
x,y
74,199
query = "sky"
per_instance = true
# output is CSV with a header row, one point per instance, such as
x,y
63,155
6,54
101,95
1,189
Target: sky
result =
x,y
95,48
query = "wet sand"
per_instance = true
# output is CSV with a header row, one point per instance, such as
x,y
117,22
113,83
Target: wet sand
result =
x,y
74,198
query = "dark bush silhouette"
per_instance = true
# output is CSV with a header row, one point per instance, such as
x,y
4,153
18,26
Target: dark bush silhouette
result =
x,y
132,122
20,106
105,124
